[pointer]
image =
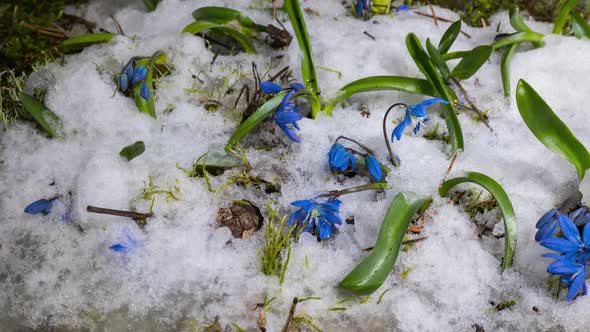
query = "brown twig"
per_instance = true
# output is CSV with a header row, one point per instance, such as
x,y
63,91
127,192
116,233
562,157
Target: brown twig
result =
x,y
369,35
474,108
119,213
291,314
418,239
117,25
451,164
433,13
442,20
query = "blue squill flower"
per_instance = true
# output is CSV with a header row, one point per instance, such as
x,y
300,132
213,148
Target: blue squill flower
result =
x,y
339,158
139,74
580,216
570,245
374,167
128,244
43,206
362,7
287,116
123,82
270,88
416,116
144,91
318,218
402,8
546,226
573,274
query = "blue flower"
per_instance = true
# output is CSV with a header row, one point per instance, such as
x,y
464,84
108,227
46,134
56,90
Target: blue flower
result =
x,y
546,226
270,87
320,218
339,158
144,91
287,116
127,245
362,7
573,274
570,245
374,167
580,216
123,82
402,8
43,206
139,74
415,114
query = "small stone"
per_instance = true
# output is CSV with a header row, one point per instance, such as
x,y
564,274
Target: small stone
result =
x,y
242,218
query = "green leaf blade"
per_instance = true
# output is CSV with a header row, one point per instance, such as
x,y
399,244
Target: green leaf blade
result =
x,y
449,37
549,129
505,67
472,61
307,62
510,226
243,40
438,61
78,43
380,83
48,120
372,271
563,16
132,150
580,27
222,15
517,38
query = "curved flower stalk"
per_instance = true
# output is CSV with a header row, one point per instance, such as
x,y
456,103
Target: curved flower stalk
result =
x,y
415,116
571,264
342,159
136,78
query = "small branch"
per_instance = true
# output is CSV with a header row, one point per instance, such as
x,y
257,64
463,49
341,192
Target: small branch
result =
x,y
119,213
451,164
442,20
418,239
369,35
434,18
371,186
117,25
291,314
474,108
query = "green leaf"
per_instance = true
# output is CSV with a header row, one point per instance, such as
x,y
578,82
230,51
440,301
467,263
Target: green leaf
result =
x,y
216,163
438,61
516,20
563,16
510,231
133,150
243,40
370,274
580,27
307,63
78,43
151,4
48,120
449,37
147,106
378,83
472,61
505,67
517,38
253,120
549,129
223,16
425,65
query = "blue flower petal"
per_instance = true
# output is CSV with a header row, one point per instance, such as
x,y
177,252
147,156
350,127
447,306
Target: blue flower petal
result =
x,y
547,217
118,247
270,87
563,267
297,86
144,92
307,204
128,70
333,205
569,229
577,212
123,82
399,129
559,244
290,133
374,167
577,283
283,117
586,235
402,8
298,217
43,206
324,229
546,232
139,74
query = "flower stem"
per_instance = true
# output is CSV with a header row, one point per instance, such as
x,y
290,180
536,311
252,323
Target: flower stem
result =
x,y
366,148
385,136
371,186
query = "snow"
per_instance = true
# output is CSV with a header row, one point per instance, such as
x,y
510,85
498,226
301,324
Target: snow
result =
x,y
186,270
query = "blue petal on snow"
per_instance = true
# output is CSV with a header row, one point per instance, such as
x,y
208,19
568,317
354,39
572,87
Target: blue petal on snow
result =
x,y
41,206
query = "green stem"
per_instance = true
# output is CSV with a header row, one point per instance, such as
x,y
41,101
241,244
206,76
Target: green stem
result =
x,y
520,37
366,148
386,137
338,193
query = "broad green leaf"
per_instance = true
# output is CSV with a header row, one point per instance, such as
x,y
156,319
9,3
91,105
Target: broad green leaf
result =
x,y
151,4
518,38
449,37
454,55
505,67
370,274
223,16
472,61
381,7
78,43
518,23
580,27
244,41
307,62
438,61
378,83
510,231
143,105
48,120
132,150
253,120
563,16
425,65
549,129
